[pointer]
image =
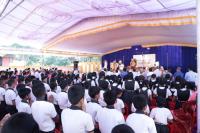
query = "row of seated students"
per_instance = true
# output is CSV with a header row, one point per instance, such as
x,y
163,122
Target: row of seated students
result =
x,y
94,105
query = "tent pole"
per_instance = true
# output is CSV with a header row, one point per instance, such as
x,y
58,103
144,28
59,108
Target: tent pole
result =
x,y
198,64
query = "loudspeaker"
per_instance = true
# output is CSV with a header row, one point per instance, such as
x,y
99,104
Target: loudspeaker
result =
x,y
76,64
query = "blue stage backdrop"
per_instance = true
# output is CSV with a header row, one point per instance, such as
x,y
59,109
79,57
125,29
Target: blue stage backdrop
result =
x,y
168,56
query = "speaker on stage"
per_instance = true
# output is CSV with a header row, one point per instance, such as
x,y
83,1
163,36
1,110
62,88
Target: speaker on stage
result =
x,y
76,65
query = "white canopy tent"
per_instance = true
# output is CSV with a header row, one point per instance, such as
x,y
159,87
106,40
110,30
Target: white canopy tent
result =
x,y
98,26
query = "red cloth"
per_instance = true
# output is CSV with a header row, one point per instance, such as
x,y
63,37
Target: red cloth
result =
x,y
126,108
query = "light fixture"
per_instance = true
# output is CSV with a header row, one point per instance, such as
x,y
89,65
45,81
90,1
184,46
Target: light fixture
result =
x,y
3,6
148,48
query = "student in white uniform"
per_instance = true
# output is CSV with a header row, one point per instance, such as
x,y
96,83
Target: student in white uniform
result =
x,y
130,84
161,116
44,80
43,112
74,119
63,101
145,89
109,117
138,121
28,83
93,106
18,98
162,90
119,105
10,97
24,104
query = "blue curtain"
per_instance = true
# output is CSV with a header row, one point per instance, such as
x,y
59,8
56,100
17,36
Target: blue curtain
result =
x,y
168,56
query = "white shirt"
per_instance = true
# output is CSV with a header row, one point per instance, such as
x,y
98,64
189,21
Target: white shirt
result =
x,y
2,94
47,87
168,92
24,107
54,95
43,113
141,123
38,75
63,101
119,105
108,119
191,76
76,121
58,89
101,99
10,95
157,72
135,74
17,100
149,74
87,97
92,108
161,115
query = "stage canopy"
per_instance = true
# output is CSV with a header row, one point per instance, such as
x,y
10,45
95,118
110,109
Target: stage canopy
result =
x,y
98,26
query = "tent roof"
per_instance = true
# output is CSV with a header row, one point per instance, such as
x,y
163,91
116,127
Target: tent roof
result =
x,y
43,21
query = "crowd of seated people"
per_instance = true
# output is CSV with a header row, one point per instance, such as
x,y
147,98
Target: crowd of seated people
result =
x,y
128,101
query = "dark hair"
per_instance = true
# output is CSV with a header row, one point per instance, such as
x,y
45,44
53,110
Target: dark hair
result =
x,y
28,79
162,82
161,102
145,83
44,77
75,94
11,81
118,91
102,74
38,89
191,86
153,76
139,101
20,123
23,92
21,79
122,128
130,76
110,97
19,86
53,86
64,83
93,91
